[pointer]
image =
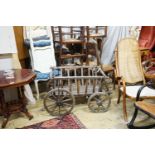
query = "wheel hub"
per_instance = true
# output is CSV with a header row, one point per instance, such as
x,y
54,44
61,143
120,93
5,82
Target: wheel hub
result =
x,y
59,103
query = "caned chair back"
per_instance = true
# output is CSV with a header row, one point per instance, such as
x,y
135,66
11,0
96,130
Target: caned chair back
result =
x,y
128,61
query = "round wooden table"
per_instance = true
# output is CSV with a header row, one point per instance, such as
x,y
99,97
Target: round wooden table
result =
x,y
20,78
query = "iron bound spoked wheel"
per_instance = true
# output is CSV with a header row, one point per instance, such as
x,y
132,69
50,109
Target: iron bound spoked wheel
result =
x,y
59,102
99,102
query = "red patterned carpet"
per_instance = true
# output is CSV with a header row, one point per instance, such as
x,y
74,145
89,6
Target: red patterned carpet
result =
x,y
68,122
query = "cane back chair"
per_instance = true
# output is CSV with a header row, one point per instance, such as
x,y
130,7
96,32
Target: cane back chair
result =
x,y
129,72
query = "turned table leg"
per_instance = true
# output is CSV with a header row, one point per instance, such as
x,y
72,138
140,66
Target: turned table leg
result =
x,y
4,109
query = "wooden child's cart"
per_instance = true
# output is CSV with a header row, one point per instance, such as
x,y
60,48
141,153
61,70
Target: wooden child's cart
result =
x,y
87,81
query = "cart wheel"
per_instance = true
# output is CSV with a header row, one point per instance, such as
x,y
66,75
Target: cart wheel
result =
x,y
59,102
99,102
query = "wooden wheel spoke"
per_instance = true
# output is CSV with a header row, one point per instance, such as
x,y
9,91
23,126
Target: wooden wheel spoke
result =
x,y
103,108
64,97
54,96
59,110
67,104
54,108
101,105
51,105
61,98
102,100
98,109
50,101
67,100
96,99
99,101
63,109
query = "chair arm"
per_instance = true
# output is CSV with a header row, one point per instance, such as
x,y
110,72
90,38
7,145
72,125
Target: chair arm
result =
x,y
118,77
149,84
124,86
139,92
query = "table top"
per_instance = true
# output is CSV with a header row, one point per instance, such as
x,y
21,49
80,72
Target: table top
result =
x,y
21,77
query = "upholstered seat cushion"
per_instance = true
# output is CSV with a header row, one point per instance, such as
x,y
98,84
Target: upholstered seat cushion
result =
x,y
132,91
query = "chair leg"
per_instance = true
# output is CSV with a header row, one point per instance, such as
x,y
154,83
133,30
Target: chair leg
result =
x,y
119,96
119,93
124,107
37,89
130,125
113,79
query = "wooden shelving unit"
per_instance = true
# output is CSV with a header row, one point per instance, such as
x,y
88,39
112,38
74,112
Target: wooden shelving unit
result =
x,y
65,36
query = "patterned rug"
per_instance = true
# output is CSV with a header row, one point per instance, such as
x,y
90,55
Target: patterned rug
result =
x,y
68,122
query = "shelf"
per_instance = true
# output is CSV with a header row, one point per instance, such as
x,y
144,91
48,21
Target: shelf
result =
x,y
72,41
71,56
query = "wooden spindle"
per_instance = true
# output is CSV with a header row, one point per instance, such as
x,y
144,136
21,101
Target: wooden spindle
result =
x,y
82,76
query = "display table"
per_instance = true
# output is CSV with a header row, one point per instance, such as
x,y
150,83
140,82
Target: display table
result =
x,y
19,79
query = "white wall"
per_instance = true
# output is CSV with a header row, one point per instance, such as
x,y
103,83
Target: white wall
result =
x,y
7,40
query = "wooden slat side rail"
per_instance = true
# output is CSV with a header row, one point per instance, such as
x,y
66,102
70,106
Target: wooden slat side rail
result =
x,y
82,81
76,67
69,81
86,86
79,77
76,81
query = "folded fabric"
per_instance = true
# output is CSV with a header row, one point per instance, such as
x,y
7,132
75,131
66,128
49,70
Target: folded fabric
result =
x,y
42,75
55,72
39,43
42,43
45,37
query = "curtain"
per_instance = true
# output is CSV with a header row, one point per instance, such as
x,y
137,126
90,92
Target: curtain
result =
x,y
147,37
114,34
7,40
